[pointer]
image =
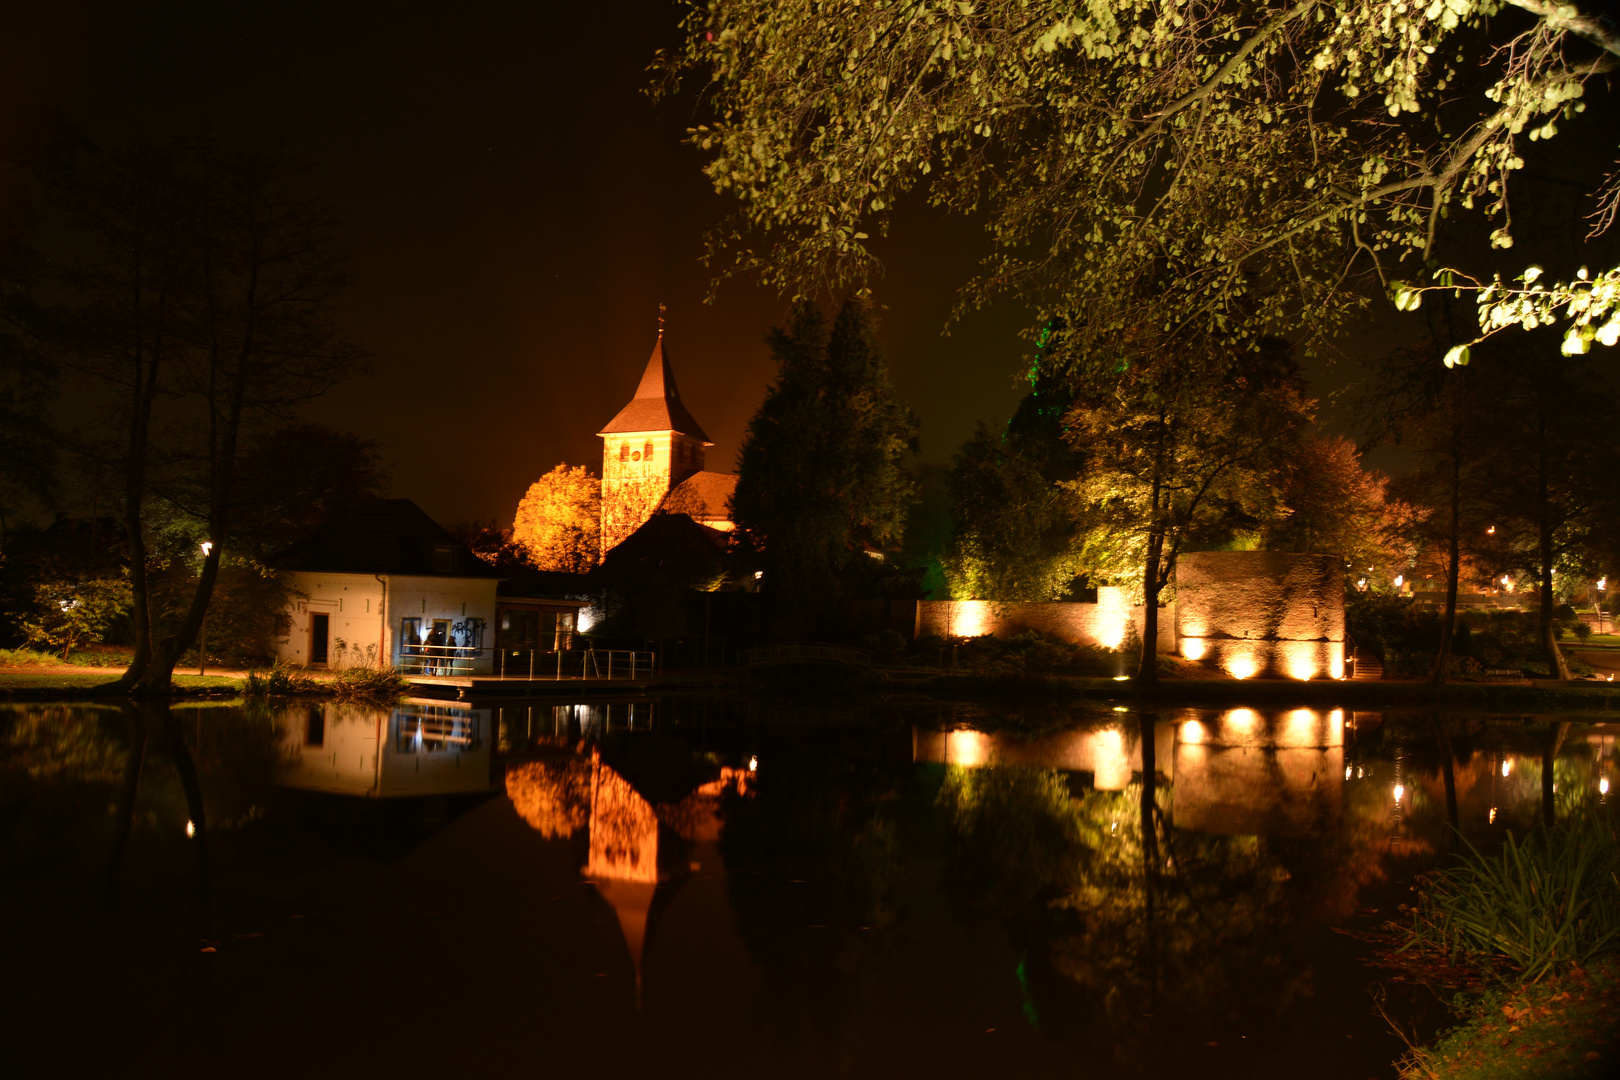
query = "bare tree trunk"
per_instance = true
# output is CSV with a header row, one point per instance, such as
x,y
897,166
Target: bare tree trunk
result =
x,y
1453,550
1557,667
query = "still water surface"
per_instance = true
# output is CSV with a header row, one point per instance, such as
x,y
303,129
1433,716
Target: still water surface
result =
x,y
714,887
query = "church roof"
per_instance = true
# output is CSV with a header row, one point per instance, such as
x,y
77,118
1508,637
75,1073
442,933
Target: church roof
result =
x,y
703,496
657,404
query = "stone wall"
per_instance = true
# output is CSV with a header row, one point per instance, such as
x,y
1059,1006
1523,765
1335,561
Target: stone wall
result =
x,y
1102,623
1262,612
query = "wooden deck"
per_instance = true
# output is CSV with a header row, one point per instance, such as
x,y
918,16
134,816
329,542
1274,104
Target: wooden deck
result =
x,y
467,685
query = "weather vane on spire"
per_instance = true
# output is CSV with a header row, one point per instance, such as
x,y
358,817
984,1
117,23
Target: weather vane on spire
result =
x,y
661,310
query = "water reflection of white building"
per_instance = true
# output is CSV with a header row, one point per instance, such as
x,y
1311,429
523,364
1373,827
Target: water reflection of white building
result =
x,y
415,748
1234,771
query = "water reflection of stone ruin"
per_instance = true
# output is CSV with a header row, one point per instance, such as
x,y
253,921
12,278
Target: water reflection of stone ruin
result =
x,y
1236,771
639,852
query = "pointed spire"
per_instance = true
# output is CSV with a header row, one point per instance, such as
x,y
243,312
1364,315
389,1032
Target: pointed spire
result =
x,y
657,404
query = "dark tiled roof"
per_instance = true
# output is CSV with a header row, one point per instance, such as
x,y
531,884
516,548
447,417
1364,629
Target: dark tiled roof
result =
x,y
703,496
383,536
657,404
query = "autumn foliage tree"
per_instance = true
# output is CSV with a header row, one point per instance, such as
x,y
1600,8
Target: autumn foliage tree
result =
x,y
1218,171
558,524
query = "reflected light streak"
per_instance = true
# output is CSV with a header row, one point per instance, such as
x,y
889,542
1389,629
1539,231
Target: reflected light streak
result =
x,y
1492,820
1192,732
753,763
1243,718
1400,791
1347,771
1603,786
191,826
1507,767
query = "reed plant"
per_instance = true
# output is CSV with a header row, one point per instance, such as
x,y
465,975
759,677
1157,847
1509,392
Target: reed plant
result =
x,y
1545,902
368,684
279,680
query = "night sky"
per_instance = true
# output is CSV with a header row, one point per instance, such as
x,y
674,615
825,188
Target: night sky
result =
x,y
516,209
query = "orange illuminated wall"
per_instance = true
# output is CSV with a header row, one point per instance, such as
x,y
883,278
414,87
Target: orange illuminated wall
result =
x,y
1262,613
1102,623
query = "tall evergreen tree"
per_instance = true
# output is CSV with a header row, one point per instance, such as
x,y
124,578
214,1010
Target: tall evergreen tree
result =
x,y
820,471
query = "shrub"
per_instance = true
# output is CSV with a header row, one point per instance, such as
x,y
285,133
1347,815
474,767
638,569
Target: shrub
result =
x,y
1547,902
368,684
281,679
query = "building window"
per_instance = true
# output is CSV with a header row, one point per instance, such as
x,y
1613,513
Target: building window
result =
x,y
647,454
444,560
624,451
635,455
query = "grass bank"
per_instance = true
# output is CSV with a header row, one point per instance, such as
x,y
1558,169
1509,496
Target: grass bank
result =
x,y
1563,1026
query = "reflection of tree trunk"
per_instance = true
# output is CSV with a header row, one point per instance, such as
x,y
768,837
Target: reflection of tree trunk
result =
x,y
123,813
197,919
1146,722
1442,733
1150,839
1549,753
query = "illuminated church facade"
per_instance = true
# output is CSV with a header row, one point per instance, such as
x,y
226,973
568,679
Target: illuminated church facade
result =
x,y
653,460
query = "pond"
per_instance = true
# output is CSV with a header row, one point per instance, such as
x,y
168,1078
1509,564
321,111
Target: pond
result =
x,y
686,886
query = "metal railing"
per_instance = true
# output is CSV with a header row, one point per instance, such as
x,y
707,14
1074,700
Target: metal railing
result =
x,y
439,659
619,664
583,664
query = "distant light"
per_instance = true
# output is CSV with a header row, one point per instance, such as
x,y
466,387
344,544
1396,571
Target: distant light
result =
x,y
1490,531
1492,820
191,829
753,763
1121,708
1603,582
1398,579
1347,769
207,546
1122,678
758,574
1507,767
1400,791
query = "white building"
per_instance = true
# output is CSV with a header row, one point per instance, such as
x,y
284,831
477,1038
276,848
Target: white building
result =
x,y
385,583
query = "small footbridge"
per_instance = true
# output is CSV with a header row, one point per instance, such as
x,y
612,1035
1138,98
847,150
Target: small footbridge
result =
x,y
804,652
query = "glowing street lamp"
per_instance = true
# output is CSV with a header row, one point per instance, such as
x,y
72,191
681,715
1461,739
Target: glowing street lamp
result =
x,y
202,640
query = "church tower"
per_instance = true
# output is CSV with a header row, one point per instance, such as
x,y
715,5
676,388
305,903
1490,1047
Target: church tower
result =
x,y
651,446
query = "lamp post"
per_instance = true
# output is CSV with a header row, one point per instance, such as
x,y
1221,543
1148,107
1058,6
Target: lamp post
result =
x,y
1602,585
202,641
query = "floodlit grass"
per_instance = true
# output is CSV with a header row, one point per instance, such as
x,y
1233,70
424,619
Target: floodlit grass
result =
x,y
1563,1026
1545,903
83,680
